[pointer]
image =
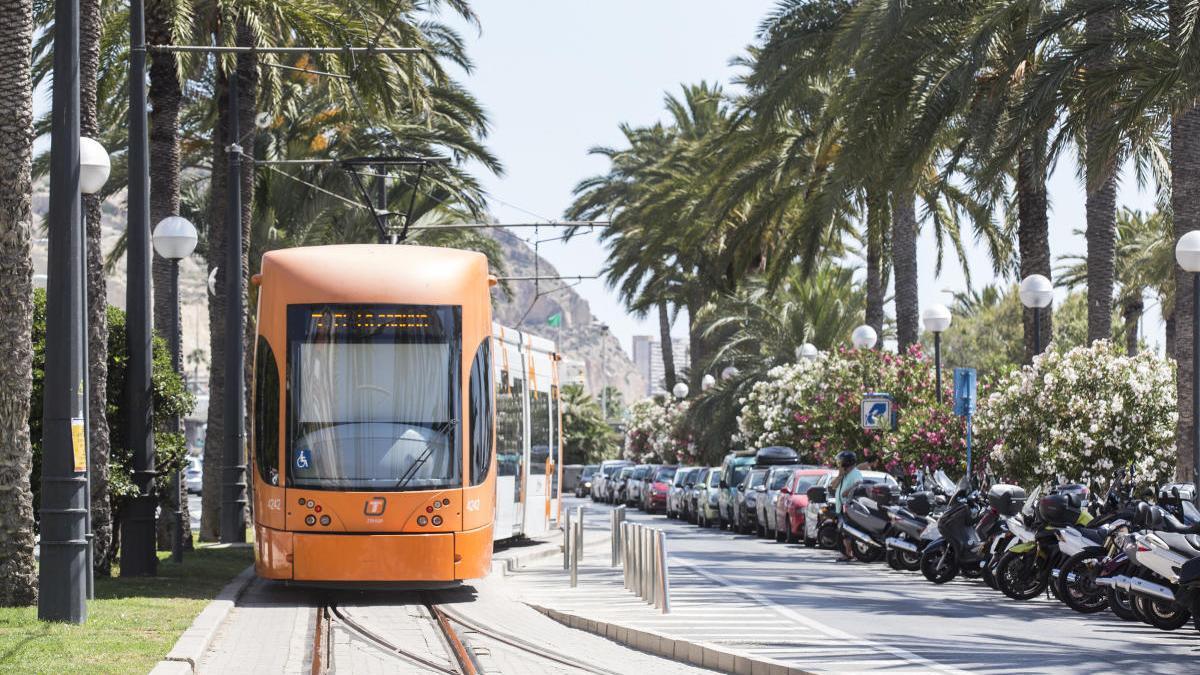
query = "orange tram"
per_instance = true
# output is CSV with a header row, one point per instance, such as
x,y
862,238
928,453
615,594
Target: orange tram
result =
x,y
396,432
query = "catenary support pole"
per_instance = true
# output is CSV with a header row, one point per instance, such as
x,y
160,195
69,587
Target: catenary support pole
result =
x,y
233,485
138,556
937,361
63,563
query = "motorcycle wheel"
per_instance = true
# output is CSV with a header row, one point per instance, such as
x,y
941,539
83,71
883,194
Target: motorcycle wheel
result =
x,y
1196,612
1121,604
988,574
908,561
827,536
1162,614
938,563
808,542
1082,594
1020,576
865,552
892,559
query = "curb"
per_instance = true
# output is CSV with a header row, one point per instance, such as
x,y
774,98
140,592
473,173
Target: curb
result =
x,y
699,654
190,646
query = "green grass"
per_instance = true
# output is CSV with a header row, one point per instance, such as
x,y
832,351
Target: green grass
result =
x,y
131,624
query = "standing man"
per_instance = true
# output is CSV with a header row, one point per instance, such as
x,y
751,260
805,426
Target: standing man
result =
x,y
848,476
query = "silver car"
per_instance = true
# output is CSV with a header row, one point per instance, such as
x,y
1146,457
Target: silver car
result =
x,y
675,498
764,506
194,475
602,481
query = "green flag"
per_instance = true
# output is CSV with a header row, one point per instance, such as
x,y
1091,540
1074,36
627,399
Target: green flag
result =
x,y
554,320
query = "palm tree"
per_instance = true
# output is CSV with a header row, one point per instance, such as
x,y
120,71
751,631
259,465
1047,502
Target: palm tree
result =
x,y
1145,261
756,328
18,572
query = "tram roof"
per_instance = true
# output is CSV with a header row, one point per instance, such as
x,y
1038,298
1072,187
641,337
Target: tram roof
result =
x,y
379,272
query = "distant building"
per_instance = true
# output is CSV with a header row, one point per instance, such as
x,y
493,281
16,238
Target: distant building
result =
x,y
572,371
647,358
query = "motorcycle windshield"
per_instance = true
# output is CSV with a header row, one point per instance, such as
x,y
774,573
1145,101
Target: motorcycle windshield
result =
x,y
1030,507
1191,515
943,481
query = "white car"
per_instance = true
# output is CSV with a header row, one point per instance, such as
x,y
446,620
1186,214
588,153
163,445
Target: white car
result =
x,y
194,475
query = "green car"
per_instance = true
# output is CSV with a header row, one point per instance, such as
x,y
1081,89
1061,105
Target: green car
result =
x,y
707,497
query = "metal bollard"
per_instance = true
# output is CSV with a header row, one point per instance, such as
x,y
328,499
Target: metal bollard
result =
x,y
566,540
579,531
647,565
639,560
664,574
576,550
624,541
618,531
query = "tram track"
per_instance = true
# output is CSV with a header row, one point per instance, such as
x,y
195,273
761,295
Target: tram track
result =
x,y
468,644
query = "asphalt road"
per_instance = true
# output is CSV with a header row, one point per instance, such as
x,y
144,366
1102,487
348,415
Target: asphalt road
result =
x,y
962,624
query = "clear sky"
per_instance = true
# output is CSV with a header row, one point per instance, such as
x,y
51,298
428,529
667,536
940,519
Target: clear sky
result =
x,y
558,76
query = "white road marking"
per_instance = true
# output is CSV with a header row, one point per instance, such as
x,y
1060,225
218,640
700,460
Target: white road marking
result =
x,y
789,613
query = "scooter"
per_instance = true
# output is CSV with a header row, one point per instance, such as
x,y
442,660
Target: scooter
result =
x,y
867,520
967,527
912,529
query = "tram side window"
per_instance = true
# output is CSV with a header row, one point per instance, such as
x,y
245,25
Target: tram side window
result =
x,y
539,432
481,412
266,413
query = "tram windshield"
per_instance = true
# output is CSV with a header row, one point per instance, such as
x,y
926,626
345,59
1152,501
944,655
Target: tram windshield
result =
x,y
374,397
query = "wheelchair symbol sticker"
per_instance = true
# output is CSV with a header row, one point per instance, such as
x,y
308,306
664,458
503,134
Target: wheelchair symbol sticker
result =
x,y
303,458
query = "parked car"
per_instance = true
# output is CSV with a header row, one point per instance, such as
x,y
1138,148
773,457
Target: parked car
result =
x,y
602,481
194,475
708,498
583,488
792,501
643,489
744,512
691,494
777,477
620,484
658,488
633,484
571,473
733,471
820,511
676,503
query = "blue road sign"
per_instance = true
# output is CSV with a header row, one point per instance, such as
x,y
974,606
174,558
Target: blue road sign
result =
x,y
303,458
964,391
878,412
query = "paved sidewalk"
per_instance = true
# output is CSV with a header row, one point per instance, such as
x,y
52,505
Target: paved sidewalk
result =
x,y
706,610
270,630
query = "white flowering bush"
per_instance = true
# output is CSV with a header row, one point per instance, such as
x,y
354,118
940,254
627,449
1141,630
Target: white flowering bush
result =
x,y
1093,408
654,432
768,411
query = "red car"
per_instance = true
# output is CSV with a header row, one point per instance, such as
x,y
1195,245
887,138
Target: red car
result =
x,y
792,500
658,487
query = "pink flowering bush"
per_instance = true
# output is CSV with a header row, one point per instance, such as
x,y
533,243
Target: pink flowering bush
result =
x,y
655,432
814,407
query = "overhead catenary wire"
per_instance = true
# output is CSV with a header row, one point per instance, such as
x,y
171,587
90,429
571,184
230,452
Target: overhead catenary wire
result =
x,y
218,49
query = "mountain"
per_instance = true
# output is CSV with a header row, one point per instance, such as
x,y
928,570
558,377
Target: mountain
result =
x,y
528,306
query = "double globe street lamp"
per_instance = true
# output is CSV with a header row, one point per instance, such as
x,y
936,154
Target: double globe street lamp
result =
x,y
864,337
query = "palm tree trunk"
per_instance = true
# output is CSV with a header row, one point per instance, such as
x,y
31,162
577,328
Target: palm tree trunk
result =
x,y
214,458
668,351
904,260
1185,193
210,494
1033,231
1132,314
1101,206
876,277
1169,320
165,96
97,301
18,571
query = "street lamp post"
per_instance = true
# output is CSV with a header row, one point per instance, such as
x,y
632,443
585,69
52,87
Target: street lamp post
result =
x,y
937,319
1187,254
864,337
603,328
175,239
1036,293
75,166
233,477
707,382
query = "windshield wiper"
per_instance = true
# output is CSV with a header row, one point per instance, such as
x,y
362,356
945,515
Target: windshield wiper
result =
x,y
411,472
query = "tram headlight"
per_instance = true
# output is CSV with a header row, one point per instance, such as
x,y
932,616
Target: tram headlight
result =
x,y
310,520
437,520
422,521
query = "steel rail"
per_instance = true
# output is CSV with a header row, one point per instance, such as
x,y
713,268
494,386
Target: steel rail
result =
x,y
371,636
520,644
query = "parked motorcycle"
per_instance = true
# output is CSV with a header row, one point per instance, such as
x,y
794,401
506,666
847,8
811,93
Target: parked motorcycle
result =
x,y
968,527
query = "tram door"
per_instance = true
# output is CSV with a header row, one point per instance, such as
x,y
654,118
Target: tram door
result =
x,y
539,466
510,434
